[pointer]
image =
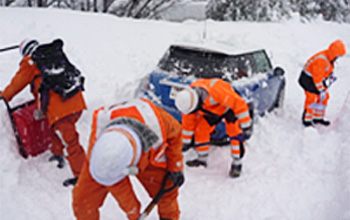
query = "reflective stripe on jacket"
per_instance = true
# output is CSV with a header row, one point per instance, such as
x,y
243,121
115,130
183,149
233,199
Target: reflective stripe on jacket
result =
x,y
318,67
166,152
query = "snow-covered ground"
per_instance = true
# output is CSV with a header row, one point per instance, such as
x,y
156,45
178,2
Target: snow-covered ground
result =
x,y
290,172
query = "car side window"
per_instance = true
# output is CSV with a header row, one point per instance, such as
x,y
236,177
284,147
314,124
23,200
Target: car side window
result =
x,y
263,64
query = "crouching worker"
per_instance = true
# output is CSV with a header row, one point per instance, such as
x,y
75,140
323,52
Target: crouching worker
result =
x,y
205,104
58,96
133,138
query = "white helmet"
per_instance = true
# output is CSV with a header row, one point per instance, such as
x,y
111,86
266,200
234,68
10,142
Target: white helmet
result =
x,y
186,100
27,46
117,149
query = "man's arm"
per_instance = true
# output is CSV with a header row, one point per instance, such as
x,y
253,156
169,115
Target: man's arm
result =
x,y
318,73
226,96
23,77
174,140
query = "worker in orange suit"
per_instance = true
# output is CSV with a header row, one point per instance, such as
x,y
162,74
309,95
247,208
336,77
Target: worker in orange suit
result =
x,y
316,76
132,138
62,114
206,103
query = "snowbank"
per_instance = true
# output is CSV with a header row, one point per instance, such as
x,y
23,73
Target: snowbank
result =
x,y
289,172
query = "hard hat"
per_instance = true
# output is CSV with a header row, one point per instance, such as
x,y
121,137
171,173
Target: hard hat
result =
x,y
116,149
337,48
27,46
187,100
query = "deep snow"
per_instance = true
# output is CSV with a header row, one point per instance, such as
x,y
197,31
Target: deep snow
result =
x,y
290,172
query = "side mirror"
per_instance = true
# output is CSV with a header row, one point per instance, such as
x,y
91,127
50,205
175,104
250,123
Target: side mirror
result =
x,y
278,71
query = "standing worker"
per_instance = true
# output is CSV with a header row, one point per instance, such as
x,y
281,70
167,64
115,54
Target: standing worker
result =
x,y
62,111
315,79
206,103
133,138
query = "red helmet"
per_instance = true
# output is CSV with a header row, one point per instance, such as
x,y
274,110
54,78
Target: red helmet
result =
x,y
27,46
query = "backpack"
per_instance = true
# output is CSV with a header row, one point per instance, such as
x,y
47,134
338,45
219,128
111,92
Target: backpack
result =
x,y
57,73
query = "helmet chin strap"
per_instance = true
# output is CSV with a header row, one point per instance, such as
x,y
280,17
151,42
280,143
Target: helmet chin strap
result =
x,y
132,170
202,95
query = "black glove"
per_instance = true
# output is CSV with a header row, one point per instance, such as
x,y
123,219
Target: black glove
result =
x,y
247,132
178,178
186,147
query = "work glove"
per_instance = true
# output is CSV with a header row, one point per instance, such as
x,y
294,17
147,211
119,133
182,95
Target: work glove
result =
x,y
323,95
247,132
331,79
177,178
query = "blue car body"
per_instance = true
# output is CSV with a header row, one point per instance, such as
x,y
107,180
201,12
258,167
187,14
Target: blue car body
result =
x,y
250,74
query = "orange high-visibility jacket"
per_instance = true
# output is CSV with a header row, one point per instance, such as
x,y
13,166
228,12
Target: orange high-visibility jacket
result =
x,y
221,98
28,73
318,68
166,153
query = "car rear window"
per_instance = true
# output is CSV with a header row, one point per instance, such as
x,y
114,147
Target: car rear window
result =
x,y
209,64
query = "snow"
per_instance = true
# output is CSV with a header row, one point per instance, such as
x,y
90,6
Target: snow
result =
x,y
289,172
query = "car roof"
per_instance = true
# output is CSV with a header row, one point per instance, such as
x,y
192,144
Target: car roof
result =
x,y
214,47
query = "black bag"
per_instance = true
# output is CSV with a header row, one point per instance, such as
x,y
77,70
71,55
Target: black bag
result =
x,y
307,83
57,73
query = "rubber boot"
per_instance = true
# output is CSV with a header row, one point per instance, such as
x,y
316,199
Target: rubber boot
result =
x,y
236,168
322,122
70,181
59,159
200,161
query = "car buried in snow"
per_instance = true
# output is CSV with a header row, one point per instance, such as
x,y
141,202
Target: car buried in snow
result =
x,y
251,74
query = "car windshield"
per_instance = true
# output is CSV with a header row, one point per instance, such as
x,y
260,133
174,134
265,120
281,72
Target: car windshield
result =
x,y
208,64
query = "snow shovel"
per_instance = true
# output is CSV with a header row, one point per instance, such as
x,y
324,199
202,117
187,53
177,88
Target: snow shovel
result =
x,y
156,199
319,106
9,48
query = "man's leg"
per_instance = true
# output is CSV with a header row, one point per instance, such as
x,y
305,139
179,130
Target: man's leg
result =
x,y
319,113
309,106
56,149
88,196
236,148
66,131
124,194
151,179
201,135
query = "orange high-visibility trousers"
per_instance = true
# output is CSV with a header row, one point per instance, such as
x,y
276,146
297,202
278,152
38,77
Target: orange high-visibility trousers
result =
x,y
88,195
66,138
202,134
310,112
232,130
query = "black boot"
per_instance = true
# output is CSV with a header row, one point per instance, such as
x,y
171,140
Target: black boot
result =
x,y
322,122
59,159
70,181
307,123
196,163
235,170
